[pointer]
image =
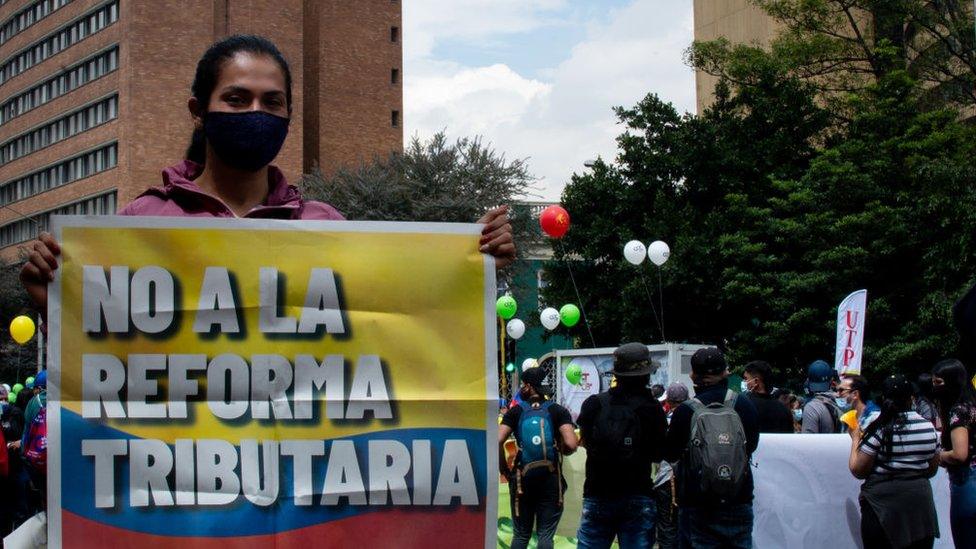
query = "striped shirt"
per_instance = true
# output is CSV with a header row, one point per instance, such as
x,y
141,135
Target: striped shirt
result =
x,y
913,444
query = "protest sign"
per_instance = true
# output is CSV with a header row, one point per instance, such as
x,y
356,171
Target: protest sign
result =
x,y
271,383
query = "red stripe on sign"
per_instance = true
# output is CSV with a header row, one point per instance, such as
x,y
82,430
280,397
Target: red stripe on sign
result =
x,y
397,528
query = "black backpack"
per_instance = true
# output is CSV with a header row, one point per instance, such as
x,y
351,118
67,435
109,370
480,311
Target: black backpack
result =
x,y
617,430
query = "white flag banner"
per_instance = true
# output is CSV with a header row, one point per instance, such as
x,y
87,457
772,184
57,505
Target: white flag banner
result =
x,y
851,315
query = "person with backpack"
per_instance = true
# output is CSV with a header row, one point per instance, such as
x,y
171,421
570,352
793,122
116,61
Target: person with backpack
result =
x,y
623,432
712,437
822,411
543,430
33,445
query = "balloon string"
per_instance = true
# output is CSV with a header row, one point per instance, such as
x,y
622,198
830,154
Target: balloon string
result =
x,y
660,294
586,321
651,300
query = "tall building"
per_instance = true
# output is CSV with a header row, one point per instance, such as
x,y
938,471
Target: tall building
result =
x,y
93,93
740,21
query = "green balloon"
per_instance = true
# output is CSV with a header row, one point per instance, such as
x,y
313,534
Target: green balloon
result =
x,y
569,314
12,398
510,367
16,388
506,307
574,374
29,380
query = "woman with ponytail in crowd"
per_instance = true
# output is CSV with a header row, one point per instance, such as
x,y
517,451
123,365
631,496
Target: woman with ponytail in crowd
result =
x,y
240,106
896,455
955,398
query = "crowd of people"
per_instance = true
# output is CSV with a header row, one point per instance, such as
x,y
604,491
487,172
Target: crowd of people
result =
x,y
23,450
663,467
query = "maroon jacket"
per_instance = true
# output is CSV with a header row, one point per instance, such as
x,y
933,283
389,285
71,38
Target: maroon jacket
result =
x,y
179,196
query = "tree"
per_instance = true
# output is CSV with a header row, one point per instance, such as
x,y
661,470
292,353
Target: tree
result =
x,y
16,361
774,216
844,46
430,181
703,184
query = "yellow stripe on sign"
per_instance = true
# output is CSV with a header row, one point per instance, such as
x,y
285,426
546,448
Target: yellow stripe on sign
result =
x,y
430,343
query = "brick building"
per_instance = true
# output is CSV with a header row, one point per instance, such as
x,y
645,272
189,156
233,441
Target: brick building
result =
x,y
93,93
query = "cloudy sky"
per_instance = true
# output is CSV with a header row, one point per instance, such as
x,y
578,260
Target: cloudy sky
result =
x,y
538,78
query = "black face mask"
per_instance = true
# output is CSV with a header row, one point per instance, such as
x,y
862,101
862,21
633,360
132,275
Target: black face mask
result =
x,y
245,140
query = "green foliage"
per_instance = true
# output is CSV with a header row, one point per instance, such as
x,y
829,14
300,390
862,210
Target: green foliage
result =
x,y
16,362
773,216
430,181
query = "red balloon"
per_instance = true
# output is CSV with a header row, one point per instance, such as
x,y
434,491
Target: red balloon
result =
x,y
554,221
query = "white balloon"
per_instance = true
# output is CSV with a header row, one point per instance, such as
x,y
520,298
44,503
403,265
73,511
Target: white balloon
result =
x,y
658,252
515,328
529,363
549,318
634,252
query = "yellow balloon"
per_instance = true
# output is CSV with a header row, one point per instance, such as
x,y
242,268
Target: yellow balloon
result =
x,y
22,329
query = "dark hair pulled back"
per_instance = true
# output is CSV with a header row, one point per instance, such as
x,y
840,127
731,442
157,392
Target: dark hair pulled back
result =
x,y
896,399
208,73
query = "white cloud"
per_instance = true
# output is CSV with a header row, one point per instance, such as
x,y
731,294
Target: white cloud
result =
x,y
564,118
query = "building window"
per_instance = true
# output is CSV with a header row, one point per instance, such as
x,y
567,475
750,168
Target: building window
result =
x,y
394,34
67,80
28,228
395,119
394,76
29,15
62,173
59,40
84,119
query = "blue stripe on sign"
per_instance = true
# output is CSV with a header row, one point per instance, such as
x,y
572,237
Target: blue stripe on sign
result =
x,y
241,518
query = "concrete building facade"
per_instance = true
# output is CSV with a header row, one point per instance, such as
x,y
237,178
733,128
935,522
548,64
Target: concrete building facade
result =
x,y
740,21
93,93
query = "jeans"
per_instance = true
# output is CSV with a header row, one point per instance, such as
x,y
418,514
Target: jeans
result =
x,y
726,527
539,503
630,519
667,517
962,506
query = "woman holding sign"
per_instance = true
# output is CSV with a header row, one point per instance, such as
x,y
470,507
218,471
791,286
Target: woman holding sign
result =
x,y
241,108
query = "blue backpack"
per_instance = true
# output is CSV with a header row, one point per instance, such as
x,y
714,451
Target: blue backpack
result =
x,y
536,439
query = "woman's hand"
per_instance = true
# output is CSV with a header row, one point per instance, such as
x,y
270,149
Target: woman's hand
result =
x,y
39,270
496,236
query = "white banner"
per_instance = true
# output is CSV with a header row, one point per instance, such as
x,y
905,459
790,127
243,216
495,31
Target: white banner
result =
x,y
851,315
806,497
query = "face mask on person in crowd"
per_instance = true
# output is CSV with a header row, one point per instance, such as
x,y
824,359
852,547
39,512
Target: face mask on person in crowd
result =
x,y
744,386
245,140
843,404
798,414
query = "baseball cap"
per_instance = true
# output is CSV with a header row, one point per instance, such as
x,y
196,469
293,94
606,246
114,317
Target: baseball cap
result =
x,y
534,377
707,361
677,392
632,359
819,374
